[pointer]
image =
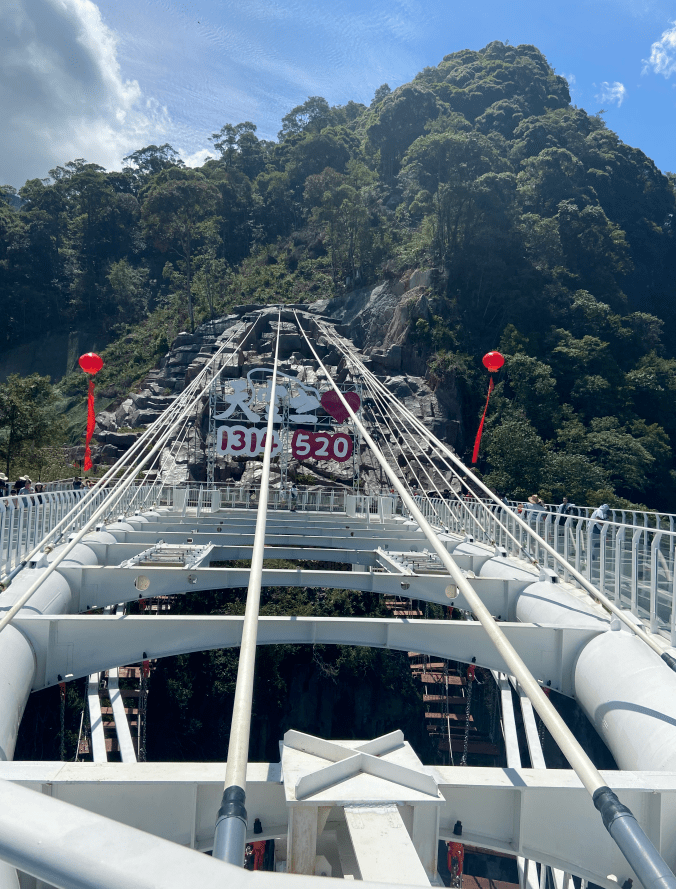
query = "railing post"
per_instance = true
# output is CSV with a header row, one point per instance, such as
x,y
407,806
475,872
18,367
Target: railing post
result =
x,y
619,547
673,609
654,551
578,545
567,534
547,530
590,548
602,558
634,570
3,522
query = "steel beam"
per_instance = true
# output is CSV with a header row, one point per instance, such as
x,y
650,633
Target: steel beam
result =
x,y
99,587
73,646
545,815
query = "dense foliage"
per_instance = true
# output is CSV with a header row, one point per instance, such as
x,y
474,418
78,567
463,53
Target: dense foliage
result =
x,y
328,690
552,239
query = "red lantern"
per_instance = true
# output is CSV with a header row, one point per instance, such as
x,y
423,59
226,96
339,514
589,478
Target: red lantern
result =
x,y
91,364
493,361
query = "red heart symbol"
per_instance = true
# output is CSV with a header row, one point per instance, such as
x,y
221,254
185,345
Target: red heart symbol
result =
x,y
333,405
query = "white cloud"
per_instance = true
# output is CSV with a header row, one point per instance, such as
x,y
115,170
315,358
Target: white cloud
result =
x,y
197,158
663,54
570,78
611,92
62,95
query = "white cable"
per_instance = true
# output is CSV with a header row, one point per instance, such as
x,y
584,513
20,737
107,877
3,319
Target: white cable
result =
x,y
434,442
539,541
230,833
375,393
107,504
570,747
69,519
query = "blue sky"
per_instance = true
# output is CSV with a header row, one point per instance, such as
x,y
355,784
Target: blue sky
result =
x,y
97,80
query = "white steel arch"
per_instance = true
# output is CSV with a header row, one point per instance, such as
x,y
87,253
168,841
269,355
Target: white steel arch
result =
x,y
564,638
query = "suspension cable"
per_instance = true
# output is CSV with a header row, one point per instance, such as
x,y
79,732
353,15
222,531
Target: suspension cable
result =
x,y
114,496
580,578
620,822
376,394
405,413
141,441
231,823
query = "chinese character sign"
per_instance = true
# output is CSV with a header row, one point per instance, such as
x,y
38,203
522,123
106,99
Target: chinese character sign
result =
x,y
249,400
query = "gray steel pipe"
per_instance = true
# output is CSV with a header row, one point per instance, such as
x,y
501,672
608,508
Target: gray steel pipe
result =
x,y
230,836
568,744
580,578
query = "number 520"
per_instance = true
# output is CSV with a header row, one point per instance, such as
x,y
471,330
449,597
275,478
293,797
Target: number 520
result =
x,y
321,446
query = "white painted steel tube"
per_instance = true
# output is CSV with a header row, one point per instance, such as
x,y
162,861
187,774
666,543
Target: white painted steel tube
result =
x,y
579,577
568,744
135,449
72,848
230,836
114,496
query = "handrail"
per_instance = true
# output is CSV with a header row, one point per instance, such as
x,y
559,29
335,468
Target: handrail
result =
x,y
538,541
231,823
632,841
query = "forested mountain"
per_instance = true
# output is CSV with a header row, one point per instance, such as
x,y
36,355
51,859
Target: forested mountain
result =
x,y
552,241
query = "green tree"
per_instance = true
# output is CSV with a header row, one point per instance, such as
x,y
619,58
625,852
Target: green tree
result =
x,y
314,114
178,213
26,414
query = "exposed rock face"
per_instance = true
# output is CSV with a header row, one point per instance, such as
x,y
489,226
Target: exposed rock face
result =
x,y
371,323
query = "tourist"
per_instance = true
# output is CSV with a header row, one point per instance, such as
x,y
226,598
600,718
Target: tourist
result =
x,y
294,496
563,510
602,513
4,485
536,506
26,490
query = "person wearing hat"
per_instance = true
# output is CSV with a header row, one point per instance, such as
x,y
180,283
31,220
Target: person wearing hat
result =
x,y
537,505
602,513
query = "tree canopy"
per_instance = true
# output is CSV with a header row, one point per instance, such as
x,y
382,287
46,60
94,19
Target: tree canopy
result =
x,y
548,234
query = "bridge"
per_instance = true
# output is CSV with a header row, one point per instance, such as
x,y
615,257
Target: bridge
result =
x,y
568,604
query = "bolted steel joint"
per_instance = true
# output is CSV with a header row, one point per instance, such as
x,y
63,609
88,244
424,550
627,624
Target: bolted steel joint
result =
x,y
232,804
608,804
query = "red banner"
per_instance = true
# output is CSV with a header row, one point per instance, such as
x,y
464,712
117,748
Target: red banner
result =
x,y
477,441
91,422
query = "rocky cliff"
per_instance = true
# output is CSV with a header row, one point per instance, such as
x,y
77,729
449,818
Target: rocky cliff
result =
x,y
373,323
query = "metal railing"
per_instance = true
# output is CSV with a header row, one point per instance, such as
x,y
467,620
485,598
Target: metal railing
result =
x,y
633,565
27,518
664,521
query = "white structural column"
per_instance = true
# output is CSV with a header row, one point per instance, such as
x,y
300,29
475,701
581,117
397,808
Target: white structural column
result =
x,y
127,752
302,840
527,874
96,720
385,852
